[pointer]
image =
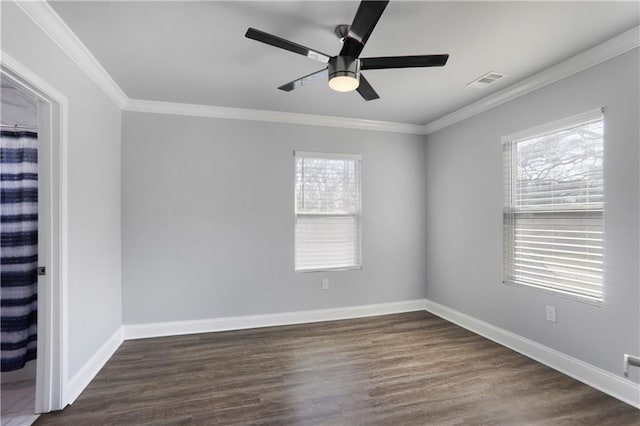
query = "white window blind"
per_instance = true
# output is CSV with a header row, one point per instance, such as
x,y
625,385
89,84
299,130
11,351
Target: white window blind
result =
x,y
553,207
327,207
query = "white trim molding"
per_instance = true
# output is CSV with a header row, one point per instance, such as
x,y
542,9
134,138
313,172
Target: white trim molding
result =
x,y
158,107
609,49
623,389
43,15
142,331
91,368
555,126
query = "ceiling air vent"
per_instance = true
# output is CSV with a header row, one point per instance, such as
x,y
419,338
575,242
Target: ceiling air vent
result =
x,y
487,79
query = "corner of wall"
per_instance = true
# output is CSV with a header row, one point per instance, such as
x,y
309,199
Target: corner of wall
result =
x,y
620,388
76,384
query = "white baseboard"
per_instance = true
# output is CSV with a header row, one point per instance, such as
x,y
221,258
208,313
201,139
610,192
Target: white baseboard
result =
x,y
141,331
607,382
616,386
86,374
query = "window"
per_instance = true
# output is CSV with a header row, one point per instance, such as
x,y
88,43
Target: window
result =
x,y
553,207
327,208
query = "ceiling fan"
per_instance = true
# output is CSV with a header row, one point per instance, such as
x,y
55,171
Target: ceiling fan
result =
x,y
344,69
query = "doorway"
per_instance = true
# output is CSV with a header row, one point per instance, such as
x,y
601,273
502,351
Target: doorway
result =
x,y
19,226
44,378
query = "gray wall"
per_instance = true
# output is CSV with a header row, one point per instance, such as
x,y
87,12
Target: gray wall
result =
x,y
95,300
208,221
464,218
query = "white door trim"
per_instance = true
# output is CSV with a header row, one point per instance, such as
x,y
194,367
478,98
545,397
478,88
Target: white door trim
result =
x,y
51,376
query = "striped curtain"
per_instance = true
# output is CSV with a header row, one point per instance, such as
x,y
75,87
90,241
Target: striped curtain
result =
x,y
19,247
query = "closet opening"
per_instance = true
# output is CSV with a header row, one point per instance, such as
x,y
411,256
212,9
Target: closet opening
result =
x,y
19,252
32,292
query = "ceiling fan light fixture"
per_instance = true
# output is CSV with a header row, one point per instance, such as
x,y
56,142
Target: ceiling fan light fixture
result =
x,y
344,83
344,73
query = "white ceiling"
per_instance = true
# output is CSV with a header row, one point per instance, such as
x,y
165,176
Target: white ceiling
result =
x,y
196,52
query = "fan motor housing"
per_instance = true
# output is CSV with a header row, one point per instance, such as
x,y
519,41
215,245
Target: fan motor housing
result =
x,y
344,66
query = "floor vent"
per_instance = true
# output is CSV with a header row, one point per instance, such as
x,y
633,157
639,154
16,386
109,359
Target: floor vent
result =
x,y
487,79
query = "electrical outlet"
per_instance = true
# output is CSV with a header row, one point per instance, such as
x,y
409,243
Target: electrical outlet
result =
x,y
551,313
325,284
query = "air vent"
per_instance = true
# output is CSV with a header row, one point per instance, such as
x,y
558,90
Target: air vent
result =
x,y
487,79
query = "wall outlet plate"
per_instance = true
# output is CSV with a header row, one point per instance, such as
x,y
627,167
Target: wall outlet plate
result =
x,y
551,313
325,284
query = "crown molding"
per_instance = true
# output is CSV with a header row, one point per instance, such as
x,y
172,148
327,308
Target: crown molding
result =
x,y
43,15
609,49
157,107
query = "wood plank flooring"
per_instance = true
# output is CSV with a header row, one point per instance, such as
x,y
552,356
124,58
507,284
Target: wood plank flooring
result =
x,y
403,369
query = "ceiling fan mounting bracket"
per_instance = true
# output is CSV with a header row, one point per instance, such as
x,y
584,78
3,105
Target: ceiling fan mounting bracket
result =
x,y
342,31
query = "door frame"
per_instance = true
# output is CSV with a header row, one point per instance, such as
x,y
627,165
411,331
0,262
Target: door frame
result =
x,y
53,113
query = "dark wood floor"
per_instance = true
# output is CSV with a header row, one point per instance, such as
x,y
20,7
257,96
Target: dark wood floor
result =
x,y
404,369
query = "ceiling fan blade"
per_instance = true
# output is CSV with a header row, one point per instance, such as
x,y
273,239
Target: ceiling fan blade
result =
x,y
403,62
276,41
304,81
365,90
364,22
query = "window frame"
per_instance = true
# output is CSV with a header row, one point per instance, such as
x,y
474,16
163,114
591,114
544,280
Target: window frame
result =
x,y
508,227
358,214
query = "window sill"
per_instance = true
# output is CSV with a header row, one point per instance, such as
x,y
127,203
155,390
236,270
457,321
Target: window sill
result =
x,y
342,268
565,295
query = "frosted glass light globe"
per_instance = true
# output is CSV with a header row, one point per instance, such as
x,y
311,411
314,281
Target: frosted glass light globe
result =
x,y
344,83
